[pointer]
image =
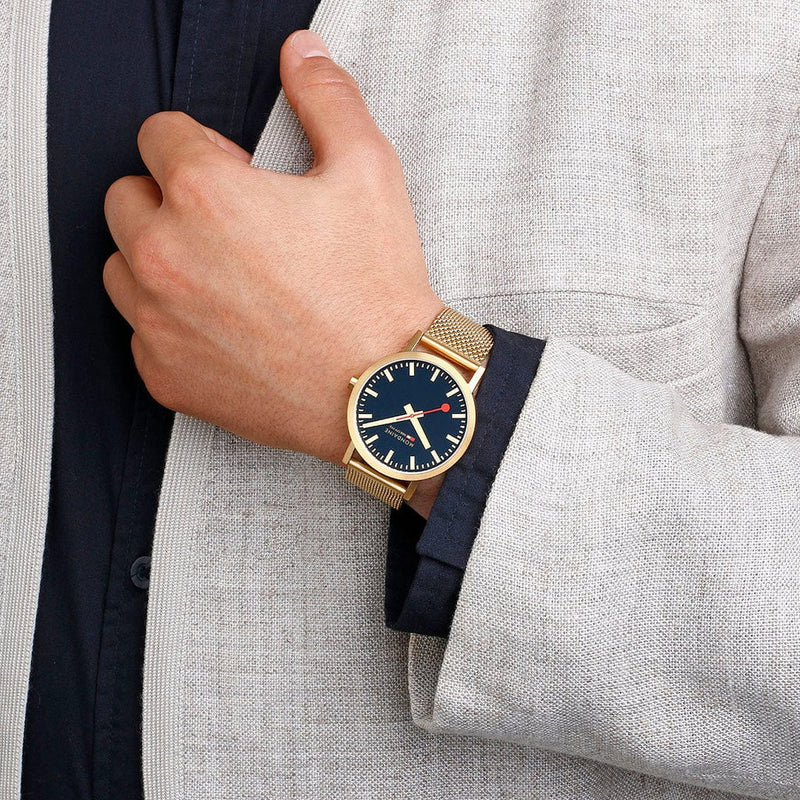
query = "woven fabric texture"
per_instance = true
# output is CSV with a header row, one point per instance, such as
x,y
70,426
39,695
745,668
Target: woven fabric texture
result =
x,y
589,173
620,178
26,359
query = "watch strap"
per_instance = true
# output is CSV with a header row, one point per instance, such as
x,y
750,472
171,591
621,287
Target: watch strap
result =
x,y
454,332
390,492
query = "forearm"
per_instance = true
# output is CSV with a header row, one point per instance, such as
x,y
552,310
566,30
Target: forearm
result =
x,y
425,495
633,593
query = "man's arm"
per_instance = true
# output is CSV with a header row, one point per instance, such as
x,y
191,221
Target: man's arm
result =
x,y
633,595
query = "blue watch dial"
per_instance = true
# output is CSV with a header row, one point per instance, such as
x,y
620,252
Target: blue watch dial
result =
x,y
412,416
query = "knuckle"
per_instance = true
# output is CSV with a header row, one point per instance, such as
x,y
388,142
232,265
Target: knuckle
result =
x,y
161,390
377,163
150,127
155,122
150,263
166,391
116,192
186,179
325,73
161,385
381,155
189,183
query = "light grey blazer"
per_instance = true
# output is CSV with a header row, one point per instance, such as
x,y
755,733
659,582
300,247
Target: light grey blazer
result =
x,y
620,177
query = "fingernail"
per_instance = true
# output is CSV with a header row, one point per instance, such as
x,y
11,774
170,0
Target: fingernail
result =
x,y
308,44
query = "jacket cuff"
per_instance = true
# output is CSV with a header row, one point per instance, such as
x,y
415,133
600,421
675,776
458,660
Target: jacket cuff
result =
x,y
426,560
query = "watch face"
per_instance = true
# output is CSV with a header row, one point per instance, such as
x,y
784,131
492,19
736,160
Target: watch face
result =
x,y
411,417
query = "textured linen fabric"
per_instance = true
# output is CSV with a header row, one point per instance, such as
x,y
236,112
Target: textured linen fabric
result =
x,y
586,173
26,359
589,174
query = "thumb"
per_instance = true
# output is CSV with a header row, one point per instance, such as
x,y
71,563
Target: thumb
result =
x,y
327,101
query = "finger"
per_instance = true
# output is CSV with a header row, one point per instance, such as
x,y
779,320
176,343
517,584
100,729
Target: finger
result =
x,y
121,286
169,140
227,144
130,204
327,101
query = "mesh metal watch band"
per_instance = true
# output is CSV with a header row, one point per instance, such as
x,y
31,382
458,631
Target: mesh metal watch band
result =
x,y
378,486
455,337
461,335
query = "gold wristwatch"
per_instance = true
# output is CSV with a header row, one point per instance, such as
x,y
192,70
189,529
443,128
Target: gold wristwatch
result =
x,y
411,415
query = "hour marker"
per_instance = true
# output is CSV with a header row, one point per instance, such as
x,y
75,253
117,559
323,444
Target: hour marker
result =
x,y
371,439
451,439
411,368
388,457
435,374
388,375
459,416
412,462
452,392
365,416
435,456
371,392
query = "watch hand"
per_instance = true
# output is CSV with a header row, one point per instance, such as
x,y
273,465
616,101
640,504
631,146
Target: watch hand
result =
x,y
444,407
385,421
414,417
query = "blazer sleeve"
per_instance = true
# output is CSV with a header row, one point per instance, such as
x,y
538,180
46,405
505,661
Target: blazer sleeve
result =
x,y
633,593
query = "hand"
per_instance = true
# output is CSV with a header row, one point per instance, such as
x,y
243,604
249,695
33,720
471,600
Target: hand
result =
x,y
255,296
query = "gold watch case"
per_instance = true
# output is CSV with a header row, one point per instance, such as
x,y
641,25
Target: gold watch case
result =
x,y
356,442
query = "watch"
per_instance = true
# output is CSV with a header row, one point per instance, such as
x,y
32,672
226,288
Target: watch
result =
x,y
411,415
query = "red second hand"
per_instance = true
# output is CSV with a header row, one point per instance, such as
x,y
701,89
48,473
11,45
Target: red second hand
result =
x,y
444,407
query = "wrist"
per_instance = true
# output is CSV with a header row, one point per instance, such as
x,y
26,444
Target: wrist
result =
x,y
399,325
388,459
425,495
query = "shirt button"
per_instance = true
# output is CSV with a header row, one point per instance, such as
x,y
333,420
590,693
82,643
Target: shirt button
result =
x,y
140,572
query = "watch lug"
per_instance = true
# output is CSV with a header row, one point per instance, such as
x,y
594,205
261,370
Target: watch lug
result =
x,y
476,378
349,453
353,381
414,341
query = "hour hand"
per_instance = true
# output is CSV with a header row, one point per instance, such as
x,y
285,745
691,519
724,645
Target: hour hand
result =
x,y
409,409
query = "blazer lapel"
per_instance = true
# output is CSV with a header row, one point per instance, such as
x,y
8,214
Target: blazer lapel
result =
x,y
283,147
26,361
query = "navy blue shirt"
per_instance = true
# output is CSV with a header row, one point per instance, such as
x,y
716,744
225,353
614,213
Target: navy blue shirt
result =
x,y
426,561
111,65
